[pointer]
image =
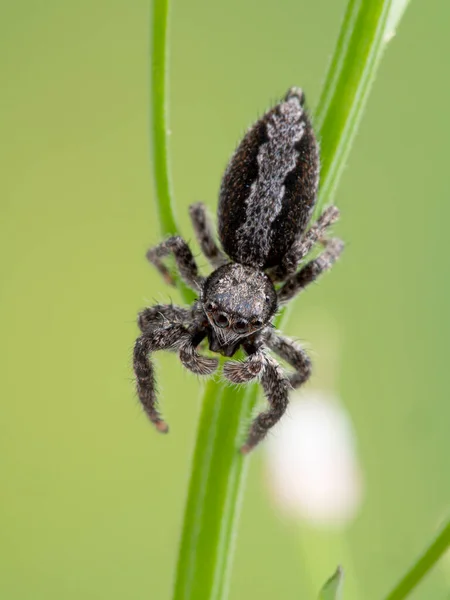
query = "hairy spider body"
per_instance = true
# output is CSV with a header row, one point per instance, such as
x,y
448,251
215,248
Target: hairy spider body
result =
x,y
269,188
266,200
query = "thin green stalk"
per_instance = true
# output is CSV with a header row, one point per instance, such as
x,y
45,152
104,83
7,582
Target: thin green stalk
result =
x,y
423,566
213,497
211,515
159,130
159,124
347,85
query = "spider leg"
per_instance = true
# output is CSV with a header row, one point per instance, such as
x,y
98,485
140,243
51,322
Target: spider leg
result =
x,y
303,246
276,388
174,336
161,314
310,272
192,360
243,371
293,354
164,338
205,235
183,256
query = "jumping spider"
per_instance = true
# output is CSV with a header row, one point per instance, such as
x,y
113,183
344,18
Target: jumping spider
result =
x,y
267,196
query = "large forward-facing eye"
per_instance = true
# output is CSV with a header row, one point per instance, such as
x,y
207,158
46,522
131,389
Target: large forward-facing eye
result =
x,y
241,326
221,320
209,306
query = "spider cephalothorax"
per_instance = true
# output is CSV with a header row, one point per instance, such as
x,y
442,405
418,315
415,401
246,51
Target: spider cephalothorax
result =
x,y
238,301
266,200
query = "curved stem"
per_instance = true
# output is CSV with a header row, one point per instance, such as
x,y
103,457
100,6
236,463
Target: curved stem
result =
x,y
423,566
159,130
347,85
159,123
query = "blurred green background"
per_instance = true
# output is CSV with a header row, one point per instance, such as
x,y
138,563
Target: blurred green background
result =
x,y
91,497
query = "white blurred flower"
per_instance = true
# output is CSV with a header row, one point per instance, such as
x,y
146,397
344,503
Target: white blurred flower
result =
x,y
312,462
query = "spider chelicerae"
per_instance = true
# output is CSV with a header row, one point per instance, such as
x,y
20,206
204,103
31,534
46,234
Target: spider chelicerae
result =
x,y
267,197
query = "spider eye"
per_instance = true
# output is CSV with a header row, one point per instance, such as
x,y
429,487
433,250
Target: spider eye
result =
x,y
221,320
209,306
258,323
240,326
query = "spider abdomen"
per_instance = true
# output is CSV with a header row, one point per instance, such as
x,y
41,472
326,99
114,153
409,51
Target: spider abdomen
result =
x,y
270,185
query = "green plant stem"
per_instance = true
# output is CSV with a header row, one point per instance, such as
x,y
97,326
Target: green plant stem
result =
x,y
213,496
423,566
159,124
159,130
216,483
347,85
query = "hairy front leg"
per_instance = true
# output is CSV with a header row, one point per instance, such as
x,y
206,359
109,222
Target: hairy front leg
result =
x,y
205,235
293,354
162,314
243,371
192,360
276,389
311,271
167,338
183,256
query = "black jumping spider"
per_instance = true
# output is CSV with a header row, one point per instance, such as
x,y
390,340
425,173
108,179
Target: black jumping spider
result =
x,y
267,197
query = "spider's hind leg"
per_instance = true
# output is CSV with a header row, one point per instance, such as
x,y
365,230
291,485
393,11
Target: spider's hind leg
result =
x,y
205,235
297,282
303,246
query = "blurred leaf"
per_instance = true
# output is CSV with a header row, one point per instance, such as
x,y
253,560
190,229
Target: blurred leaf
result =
x,y
422,566
332,590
